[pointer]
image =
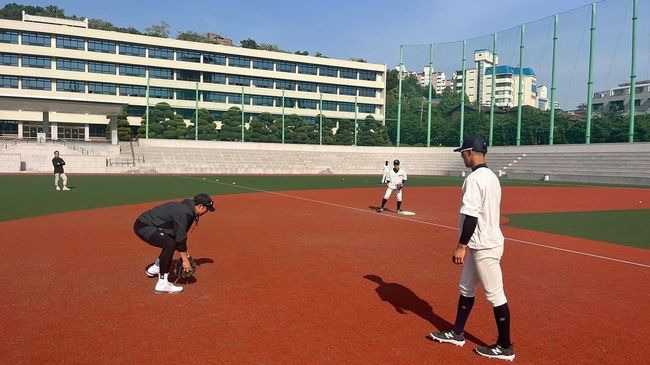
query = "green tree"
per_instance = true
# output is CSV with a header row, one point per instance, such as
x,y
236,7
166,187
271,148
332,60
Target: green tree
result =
x,y
207,129
230,125
372,133
158,30
248,43
191,36
174,128
297,130
157,115
264,128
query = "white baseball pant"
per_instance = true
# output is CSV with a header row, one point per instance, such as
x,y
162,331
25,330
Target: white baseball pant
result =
x,y
389,191
484,266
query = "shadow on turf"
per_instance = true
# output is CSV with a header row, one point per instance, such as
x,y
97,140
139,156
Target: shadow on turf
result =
x,y
376,209
405,300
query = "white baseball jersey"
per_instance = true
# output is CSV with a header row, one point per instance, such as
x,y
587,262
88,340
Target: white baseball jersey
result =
x,y
386,169
395,178
482,199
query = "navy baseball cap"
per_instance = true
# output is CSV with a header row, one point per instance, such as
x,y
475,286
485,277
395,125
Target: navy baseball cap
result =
x,y
204,199
474,143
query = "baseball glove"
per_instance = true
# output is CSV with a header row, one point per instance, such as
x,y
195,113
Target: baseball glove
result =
x,y
180,271
400,186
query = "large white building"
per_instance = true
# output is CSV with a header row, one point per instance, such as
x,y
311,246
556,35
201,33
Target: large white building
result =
x,y
479,82
440,81
59,77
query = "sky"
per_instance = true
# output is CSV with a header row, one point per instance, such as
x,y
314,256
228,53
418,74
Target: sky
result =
x,y
374,30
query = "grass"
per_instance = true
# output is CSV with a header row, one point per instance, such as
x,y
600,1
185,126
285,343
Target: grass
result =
x,y
625,227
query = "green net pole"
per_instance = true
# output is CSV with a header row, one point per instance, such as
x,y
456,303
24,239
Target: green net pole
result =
x,y
430,88
462,96
590,80
196,120
521,79
146,128
633,74
356,123
551,130
320,107
282,116
492,92
242,114
399,92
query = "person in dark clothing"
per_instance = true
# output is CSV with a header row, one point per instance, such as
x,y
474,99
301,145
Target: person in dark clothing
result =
x,y
58,163
166,226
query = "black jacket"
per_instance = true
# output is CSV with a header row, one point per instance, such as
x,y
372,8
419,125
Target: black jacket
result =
x,y
58,163
174,219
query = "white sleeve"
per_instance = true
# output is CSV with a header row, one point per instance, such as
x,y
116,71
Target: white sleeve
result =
x,y
405,176
472,198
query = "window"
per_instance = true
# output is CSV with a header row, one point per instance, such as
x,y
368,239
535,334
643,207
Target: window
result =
x,y
346,107
348,74
640,89
185,94
188,75
38,62
136,111
8,127
619,92
8,37
239,80
101,46
368,75
214,78
185,113
70,65
162,53
285,66
214,59
307,104
503,92
214,97
7,59
132,70
503,84
347,90
329,105
288,102
132,90
236,99
161,93
129,49
161,73
328,89
307,86
637,102
70,43
70,86
101,88
366,108
36,39
263,83
367,92
285,85
8,82
328,71
307,69
188,56
101,68
239,61
36,83
263,64
262,100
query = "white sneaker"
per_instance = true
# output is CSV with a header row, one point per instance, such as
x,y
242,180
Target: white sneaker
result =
x,y
66,188
57,187
165,287
153,270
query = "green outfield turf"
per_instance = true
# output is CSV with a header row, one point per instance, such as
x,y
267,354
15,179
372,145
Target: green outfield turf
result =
x,y
626,227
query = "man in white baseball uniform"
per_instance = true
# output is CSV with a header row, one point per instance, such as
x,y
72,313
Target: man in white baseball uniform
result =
x,y
480,248
396,181
385,173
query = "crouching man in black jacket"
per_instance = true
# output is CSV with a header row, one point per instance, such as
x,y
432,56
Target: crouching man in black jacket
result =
x,y
166,226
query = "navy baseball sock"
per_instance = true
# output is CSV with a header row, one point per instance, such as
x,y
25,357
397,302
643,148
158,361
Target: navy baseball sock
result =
x,y
399,205
502,316
383,202
465,305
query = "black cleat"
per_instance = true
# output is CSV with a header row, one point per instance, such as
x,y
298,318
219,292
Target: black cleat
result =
x,y
497,352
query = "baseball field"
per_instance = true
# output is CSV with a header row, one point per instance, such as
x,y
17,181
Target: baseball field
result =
x,y
300,270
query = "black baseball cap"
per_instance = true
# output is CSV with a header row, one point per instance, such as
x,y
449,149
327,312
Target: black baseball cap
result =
x,y
204,199
474,143
396,162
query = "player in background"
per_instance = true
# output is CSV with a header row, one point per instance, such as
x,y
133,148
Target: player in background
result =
x,y
385,173
396,180
58,163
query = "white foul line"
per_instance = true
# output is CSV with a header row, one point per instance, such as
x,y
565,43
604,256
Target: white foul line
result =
x,y
424,222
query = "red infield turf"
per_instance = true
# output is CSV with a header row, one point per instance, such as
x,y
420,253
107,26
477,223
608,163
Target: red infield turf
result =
x,y
284,280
